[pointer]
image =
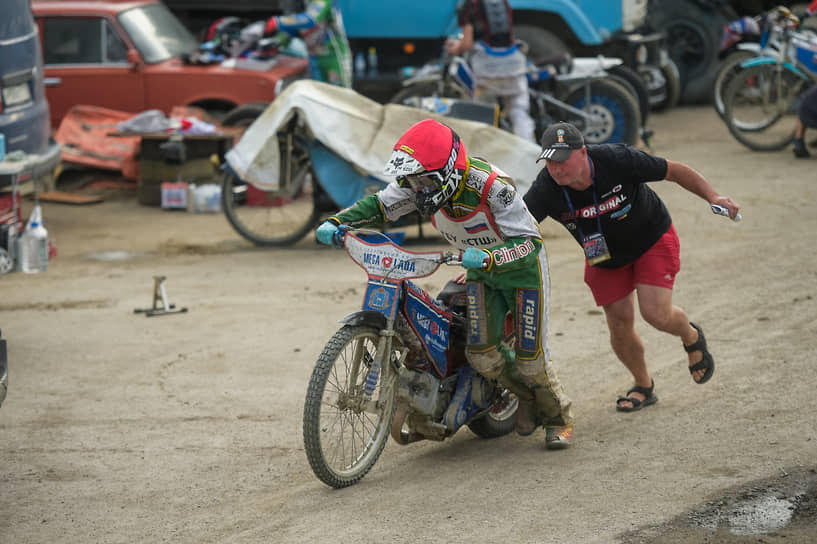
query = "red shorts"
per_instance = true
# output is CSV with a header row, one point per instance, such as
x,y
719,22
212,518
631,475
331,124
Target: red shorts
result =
x,y
658,266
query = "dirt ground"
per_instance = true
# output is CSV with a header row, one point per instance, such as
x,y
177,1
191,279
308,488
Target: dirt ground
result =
x,y
120,428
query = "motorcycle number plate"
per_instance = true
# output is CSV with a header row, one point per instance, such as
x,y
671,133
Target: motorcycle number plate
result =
x,y
381,297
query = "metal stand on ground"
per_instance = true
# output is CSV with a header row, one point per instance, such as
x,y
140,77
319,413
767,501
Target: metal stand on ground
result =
x,y
160,305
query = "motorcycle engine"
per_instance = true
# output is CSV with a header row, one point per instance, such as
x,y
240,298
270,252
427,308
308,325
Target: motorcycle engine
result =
x,y
424,393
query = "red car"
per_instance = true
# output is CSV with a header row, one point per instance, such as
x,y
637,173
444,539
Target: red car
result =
x,y
129,56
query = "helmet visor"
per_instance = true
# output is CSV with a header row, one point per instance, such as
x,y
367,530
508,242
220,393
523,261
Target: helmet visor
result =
x,y
427,182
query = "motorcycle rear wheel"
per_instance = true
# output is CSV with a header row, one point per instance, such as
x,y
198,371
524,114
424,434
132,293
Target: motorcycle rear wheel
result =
x,y
501,420
343,439
615,113
274,218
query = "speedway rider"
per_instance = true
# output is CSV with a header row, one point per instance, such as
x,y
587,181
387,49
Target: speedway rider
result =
x,y
320,26
476,208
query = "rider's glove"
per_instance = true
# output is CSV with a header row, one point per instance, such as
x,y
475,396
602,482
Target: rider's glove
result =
x,y
475,258
326,233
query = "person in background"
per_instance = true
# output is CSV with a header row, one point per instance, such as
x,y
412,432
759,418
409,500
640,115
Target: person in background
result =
x,y
599,193
476,208
320,25
500,67
806,118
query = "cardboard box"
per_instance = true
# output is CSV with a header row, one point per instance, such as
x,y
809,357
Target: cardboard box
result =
x,y
174,196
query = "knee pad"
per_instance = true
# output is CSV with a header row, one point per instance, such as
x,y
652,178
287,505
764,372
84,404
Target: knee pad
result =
x,y
488,363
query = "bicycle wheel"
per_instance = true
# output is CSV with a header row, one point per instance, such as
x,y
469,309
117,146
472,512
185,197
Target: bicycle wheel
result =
x,y
343,435
760,106
274,218
728,68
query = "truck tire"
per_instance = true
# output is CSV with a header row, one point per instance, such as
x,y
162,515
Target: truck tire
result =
x,y
693,40
541,43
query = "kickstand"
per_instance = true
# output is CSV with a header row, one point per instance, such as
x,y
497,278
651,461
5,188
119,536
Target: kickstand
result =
x,y
159,296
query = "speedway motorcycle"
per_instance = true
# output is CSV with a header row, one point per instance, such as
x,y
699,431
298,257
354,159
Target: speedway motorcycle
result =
x,y
581,91
396,367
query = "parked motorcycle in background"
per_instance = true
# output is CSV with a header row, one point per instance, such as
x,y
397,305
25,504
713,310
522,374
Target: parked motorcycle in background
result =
x,y
396,368
580,91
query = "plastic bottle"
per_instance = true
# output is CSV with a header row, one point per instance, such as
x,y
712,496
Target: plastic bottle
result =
x,y
360,65
372,62
33,244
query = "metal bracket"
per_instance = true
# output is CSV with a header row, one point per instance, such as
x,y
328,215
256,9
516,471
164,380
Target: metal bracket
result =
x,y
160,305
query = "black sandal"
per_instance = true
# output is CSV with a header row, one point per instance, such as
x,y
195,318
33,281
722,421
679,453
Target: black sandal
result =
x,y
649,398
707,363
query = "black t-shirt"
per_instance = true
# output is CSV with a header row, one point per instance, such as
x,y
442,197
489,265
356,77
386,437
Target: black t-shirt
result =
x,y
632,218
492,20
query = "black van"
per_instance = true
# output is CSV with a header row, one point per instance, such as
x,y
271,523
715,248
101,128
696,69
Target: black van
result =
x,y
24,120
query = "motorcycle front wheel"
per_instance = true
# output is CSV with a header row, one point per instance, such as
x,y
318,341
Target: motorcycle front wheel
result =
x,y
274,218
343,433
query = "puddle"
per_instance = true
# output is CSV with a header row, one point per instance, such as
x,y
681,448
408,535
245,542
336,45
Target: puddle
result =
x,y
752,516
780,507
765,515
114,255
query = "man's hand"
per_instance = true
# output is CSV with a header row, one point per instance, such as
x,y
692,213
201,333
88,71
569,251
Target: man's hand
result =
x,y
326,234
474,258
727,203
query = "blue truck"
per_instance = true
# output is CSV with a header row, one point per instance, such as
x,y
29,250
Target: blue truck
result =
x,y
412,34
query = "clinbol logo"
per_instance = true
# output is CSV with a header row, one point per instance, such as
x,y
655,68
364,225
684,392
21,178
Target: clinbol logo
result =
x,y
518,251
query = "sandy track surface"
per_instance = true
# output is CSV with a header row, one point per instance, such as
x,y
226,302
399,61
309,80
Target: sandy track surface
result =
x,y
187,428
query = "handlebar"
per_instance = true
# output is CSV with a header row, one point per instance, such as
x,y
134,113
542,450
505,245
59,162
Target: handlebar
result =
x,y
448,258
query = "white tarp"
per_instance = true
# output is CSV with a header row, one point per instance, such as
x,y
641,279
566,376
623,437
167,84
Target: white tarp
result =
x,y
363,132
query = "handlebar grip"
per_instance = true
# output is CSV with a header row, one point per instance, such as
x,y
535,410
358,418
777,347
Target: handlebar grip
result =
x,y
339,235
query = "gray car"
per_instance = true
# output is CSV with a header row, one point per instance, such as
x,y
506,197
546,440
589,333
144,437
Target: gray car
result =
x,y
4,374
24,120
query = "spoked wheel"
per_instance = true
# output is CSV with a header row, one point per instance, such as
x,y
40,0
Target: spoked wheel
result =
x,y
344,434
760,106
728,68
274,218
614,115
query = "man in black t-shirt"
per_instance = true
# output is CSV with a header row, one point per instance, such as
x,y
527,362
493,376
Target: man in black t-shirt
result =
x,y
599,193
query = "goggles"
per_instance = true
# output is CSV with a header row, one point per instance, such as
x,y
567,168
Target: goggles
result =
x,y
427,182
